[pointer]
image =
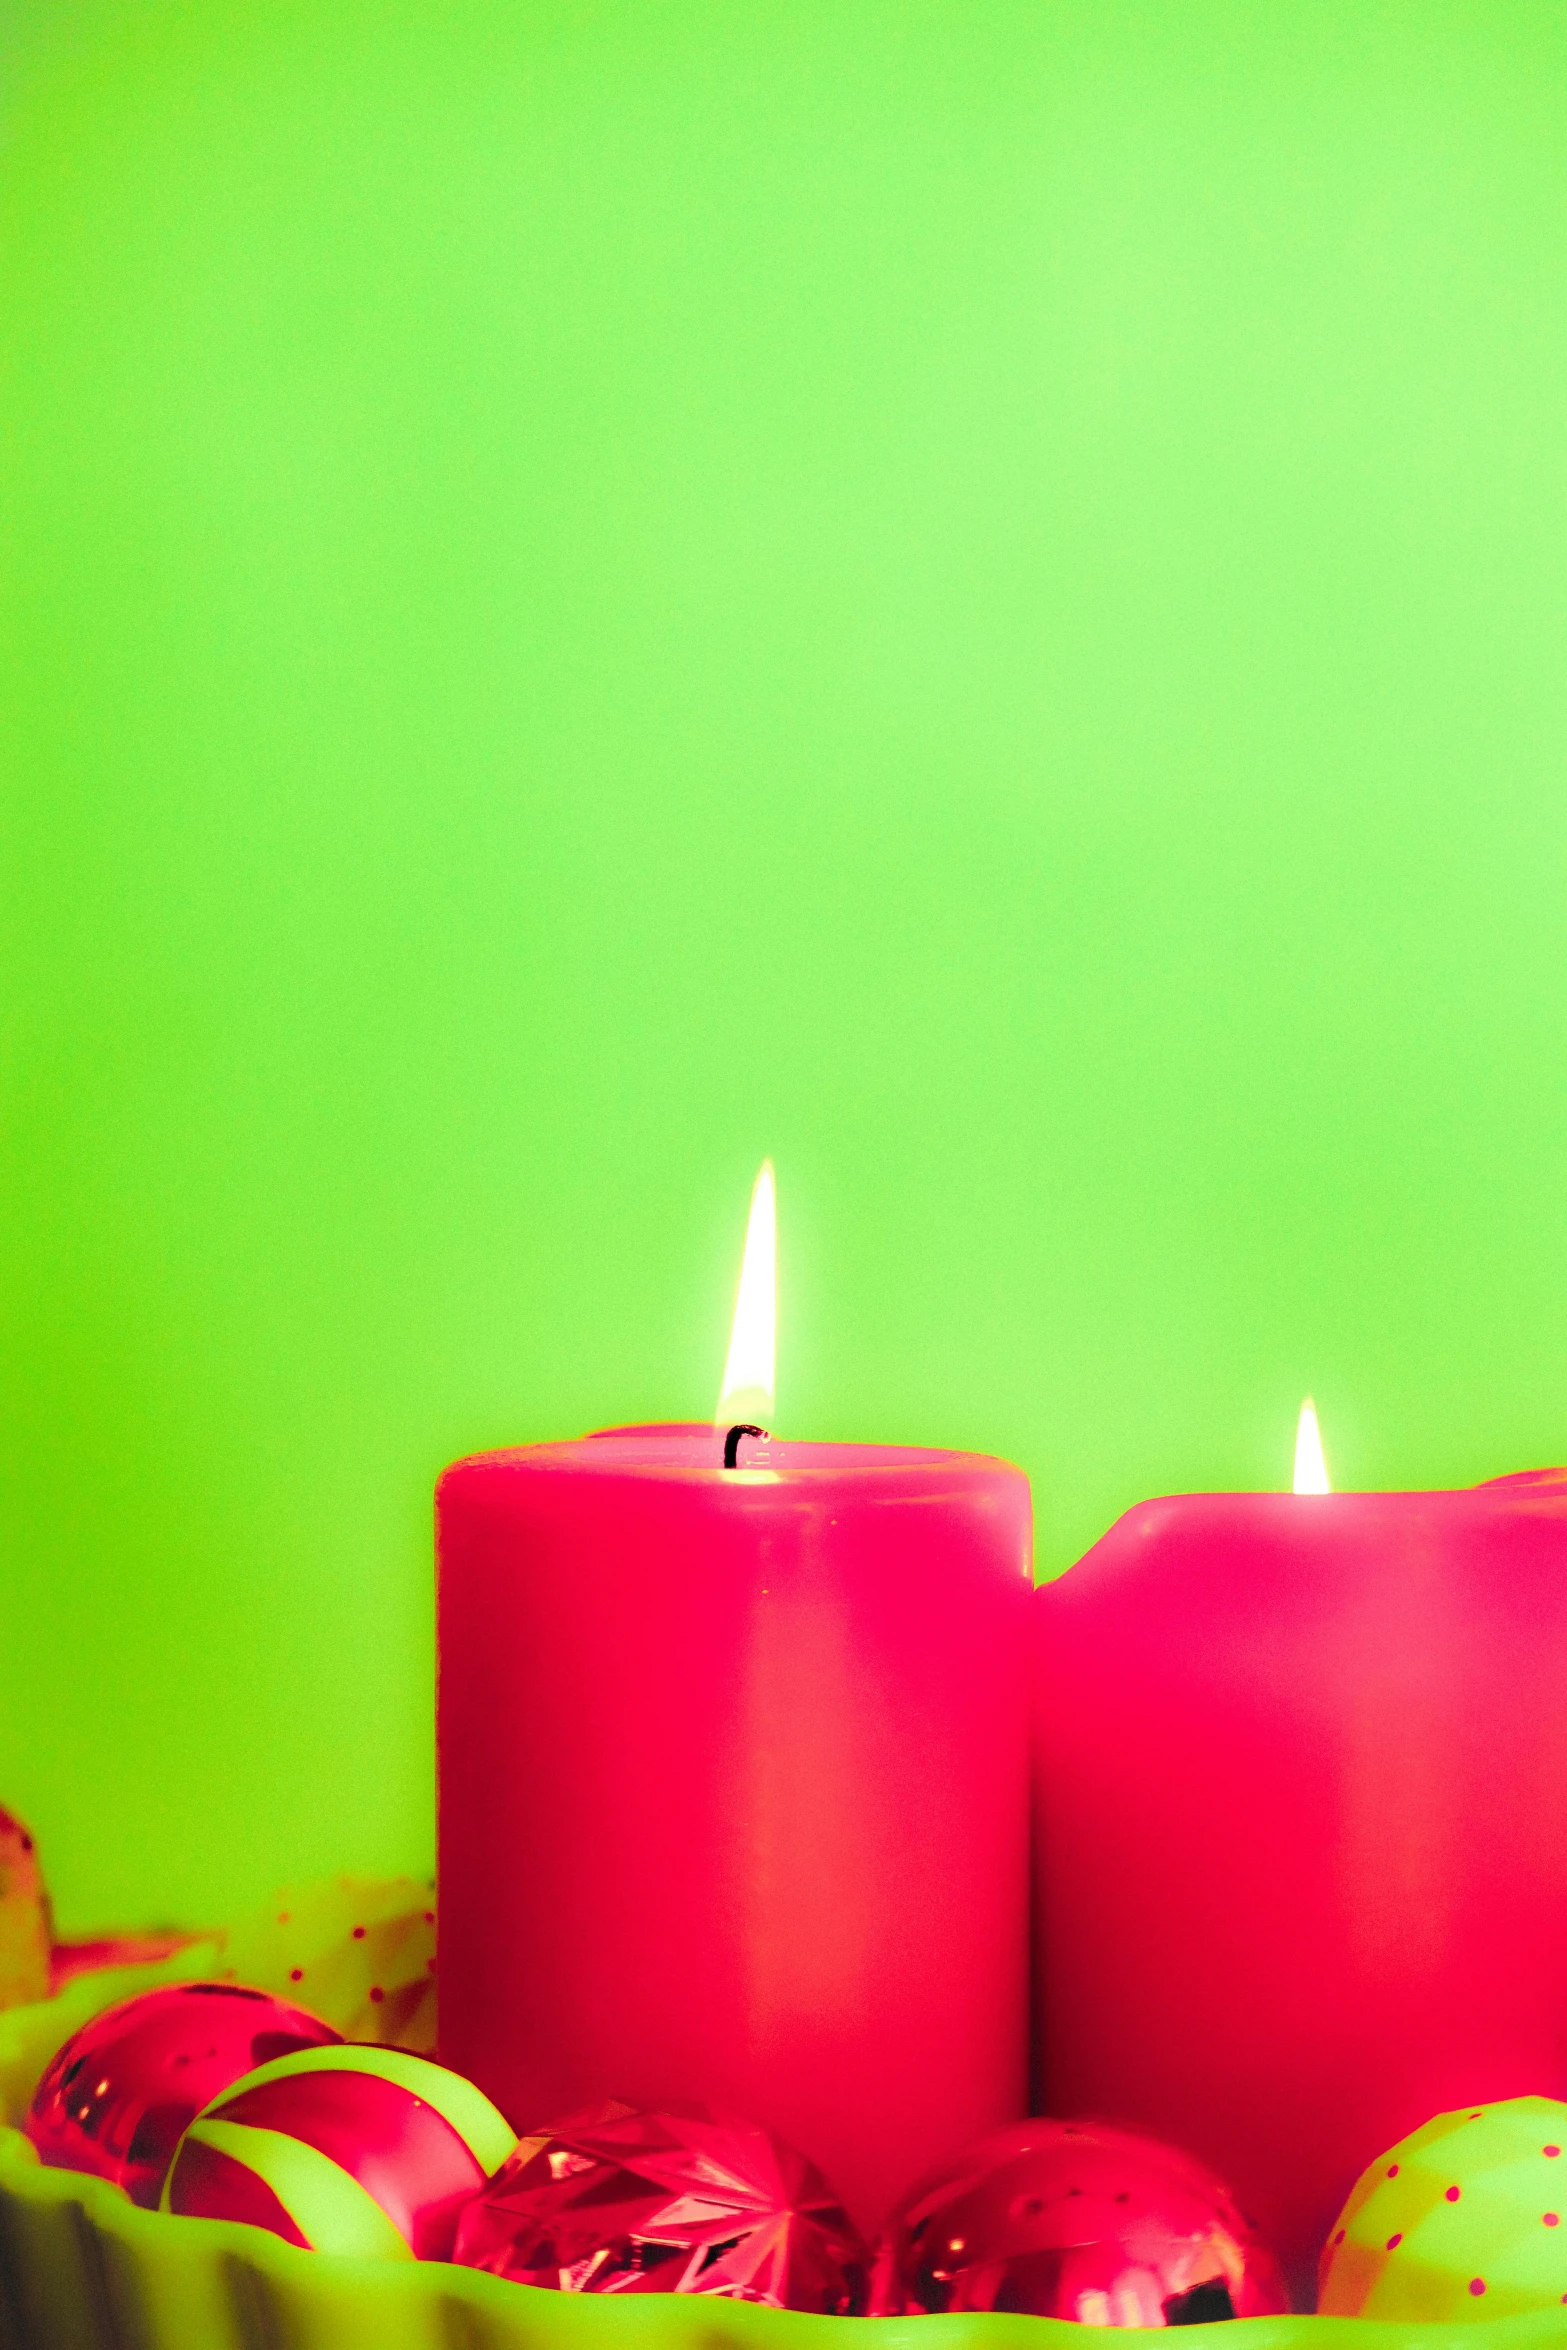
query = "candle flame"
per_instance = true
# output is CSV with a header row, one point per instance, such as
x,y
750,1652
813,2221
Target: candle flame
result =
x,y
749,1373
1311,1470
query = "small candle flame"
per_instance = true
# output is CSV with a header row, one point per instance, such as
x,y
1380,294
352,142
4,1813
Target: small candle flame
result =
x,y
1311,1470
747,1391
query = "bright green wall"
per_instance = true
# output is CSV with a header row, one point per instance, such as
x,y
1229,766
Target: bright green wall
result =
x,y
971,595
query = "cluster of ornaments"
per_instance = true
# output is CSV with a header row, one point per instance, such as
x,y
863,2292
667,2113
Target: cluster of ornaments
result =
x,y
235,2099
219,2101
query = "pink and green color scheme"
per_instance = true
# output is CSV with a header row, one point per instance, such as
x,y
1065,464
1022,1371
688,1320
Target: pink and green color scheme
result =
x,y
1464,2216
733,1788
1302,1864
367,2152
117,2096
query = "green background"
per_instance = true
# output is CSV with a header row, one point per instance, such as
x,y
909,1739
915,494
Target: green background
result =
x,y
969,595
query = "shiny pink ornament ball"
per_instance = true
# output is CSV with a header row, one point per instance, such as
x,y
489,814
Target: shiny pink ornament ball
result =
x,y
1075,2220
619,2200
118,2095
370,2152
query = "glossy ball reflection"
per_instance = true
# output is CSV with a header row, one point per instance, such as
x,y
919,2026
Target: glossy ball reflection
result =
x,y
118,2095
617,2200
1076,2220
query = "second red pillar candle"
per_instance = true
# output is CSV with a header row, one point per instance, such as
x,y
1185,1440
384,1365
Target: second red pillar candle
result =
x,y
1302,1792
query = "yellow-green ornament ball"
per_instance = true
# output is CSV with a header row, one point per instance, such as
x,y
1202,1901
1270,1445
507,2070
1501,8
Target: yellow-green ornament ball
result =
x,y
1466,2217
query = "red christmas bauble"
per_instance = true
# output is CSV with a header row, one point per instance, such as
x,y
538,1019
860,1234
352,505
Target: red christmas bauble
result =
x,y
616,2200
368,2151
1077,2220
118,2095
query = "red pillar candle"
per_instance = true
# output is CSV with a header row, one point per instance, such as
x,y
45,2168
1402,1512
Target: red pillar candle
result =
x,y
733,1788
1301,1779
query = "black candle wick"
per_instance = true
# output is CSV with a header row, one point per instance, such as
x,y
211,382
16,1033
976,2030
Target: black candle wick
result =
x,y
732,1441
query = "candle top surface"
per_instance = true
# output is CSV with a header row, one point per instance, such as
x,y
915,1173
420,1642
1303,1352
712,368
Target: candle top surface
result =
x,y
1530,1488
693,1453
1244,1543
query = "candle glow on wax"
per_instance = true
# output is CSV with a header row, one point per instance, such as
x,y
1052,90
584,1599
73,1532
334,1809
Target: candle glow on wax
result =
x,y
1311,1470
748,1388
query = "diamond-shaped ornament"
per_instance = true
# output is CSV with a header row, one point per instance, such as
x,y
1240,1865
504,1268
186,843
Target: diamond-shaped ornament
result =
x,y
619,2200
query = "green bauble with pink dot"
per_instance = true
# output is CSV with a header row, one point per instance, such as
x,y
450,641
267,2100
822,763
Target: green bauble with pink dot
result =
x,y
1465,2218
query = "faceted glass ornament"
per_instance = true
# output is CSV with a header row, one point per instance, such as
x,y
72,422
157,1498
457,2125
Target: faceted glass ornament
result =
x,y
118,2095
618,2200
1077,2220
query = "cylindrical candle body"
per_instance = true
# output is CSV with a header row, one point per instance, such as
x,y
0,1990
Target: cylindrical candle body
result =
x,y
733,1789
1301,1784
